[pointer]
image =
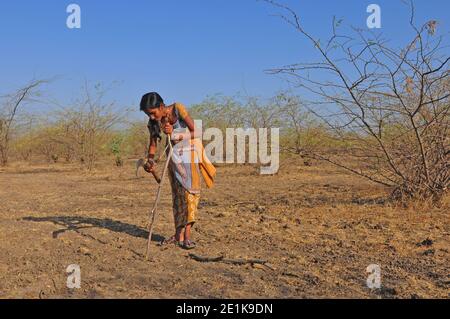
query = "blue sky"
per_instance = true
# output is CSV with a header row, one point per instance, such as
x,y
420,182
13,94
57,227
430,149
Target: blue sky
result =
x,y
184,49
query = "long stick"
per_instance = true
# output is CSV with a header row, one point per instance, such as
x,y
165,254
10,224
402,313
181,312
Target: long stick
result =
x,y
154,173
158,195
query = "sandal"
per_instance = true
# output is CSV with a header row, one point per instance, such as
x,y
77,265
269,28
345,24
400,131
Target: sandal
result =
x,y
169,241
188,245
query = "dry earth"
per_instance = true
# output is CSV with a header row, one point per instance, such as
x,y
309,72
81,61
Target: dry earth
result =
x,y
317,227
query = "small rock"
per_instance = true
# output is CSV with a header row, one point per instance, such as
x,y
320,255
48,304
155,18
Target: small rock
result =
x,y
258,209
258,266
386,292
429,252
84,251
427,243
389,291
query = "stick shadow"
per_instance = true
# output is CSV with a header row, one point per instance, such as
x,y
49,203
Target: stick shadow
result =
x,y
76,223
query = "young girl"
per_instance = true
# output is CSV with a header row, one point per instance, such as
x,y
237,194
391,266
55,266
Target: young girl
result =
x,y
188,162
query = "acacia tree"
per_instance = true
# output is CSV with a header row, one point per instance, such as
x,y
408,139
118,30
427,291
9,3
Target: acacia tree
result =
x,y
9,110
300,131
85,124
388,106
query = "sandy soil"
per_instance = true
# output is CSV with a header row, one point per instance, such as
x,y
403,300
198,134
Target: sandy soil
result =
x,y
318,228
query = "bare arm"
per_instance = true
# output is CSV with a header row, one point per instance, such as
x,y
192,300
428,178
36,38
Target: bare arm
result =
x,y
149,166
190,124
152,148
183,136
184,115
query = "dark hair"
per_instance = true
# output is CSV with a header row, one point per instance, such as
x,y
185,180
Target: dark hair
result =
x,y
151,101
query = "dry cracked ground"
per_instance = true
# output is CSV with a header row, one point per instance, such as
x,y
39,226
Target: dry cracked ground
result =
x,y
317,228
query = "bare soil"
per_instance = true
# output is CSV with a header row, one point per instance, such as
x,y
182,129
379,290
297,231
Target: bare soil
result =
x,y
317,227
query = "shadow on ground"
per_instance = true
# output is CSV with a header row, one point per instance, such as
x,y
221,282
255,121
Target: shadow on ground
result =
x,y
74,223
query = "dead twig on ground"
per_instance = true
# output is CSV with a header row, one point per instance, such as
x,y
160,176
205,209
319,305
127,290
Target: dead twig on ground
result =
x,y
222,259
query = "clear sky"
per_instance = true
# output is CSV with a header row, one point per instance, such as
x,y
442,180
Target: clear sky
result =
x,y
184,49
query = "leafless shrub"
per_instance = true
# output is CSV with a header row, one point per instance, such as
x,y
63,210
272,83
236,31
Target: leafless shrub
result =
x,y
387,108
83,127
9,109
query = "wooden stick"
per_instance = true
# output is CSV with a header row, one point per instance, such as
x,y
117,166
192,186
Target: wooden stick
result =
x,y
154,173
227,260
154,211
205,259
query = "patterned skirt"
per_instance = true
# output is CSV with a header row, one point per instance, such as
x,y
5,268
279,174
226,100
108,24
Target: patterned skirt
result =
x,y
185,204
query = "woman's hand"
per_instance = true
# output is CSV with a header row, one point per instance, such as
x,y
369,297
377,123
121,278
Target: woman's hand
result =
x,y
150,166
167,128
177,137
